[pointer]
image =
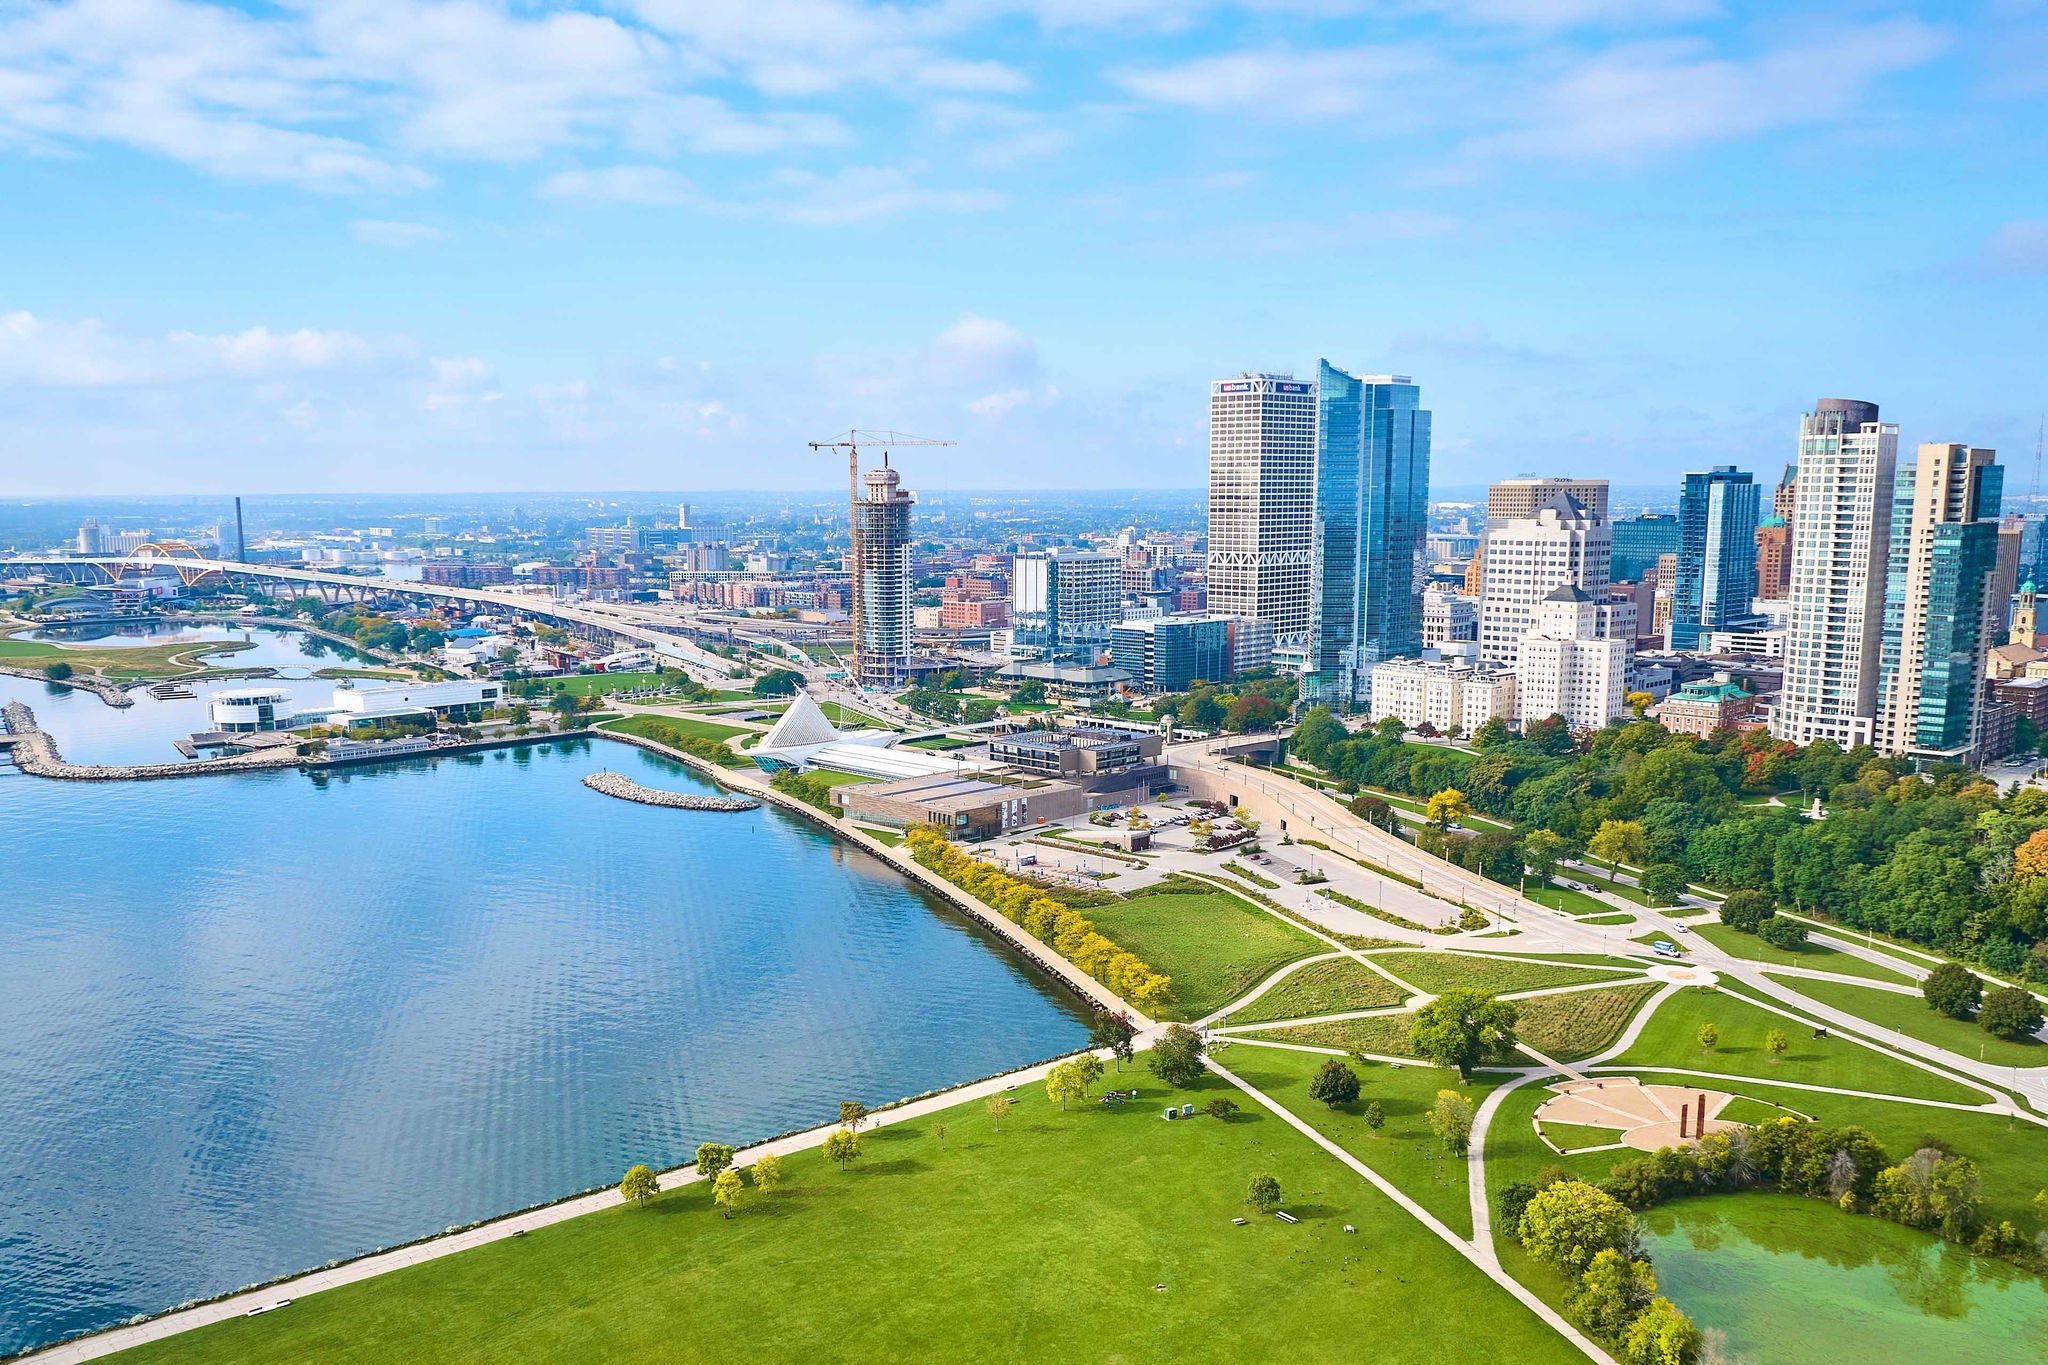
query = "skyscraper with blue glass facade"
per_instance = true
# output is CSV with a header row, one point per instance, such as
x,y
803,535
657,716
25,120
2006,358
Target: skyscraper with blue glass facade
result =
x,y
1372,517
1716,581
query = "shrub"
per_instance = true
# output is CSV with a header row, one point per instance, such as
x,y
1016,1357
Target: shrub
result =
x,y
1953,989
57,672
1783,933
2010,1012
1664,883
1220,1108
1745,910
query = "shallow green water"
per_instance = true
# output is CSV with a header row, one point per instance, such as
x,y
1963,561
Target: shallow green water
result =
x,y
1794,1281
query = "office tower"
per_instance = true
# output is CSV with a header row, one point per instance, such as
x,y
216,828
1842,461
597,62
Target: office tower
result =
x,y
1785,497
882,582
1942,611
1570,663
1371,523
1639,542
1168,653
1262,492
1773,558
1716,556
1064,600
1521,498
1562,544
1841,533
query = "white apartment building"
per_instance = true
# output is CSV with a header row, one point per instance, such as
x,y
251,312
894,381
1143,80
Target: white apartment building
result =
x,y
1262,494
1448,617
1567,666
1447,695
1064,600
1840,541
1565,544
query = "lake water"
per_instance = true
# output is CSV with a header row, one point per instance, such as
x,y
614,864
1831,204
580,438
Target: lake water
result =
x,y
1795,1281
87,730
249,1024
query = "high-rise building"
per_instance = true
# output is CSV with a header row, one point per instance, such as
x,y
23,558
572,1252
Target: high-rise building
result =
x,y
1773,558
1448,619
1563,544
1371,523
1716,557
1841,533
1262,497
1166,654
1521,498
1569,664
1639,542
1063,600
1942,612
882,582
1785,497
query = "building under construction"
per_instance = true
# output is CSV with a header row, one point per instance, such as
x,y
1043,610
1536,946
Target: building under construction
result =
x,y
881,612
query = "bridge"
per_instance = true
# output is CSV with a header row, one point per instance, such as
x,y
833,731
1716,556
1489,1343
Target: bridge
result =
x,y
195,569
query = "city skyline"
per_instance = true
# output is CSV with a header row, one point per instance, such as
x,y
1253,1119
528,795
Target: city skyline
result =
x,y
517,244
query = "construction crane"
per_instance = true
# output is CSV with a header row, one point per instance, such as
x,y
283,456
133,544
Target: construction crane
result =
x,y
851,443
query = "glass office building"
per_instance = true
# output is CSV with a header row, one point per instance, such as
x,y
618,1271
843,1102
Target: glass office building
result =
x,y
1372,520
1716,581
1639,542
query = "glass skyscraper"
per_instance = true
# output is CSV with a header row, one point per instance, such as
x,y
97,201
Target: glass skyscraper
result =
x,y
1639,542
1372,518
1716,582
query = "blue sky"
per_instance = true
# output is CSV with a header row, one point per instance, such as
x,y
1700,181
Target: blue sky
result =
x,y
401,245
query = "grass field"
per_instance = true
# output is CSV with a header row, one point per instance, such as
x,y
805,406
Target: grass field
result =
x,y
1618,917
1322,988
1404,1151
1384,1035
1571,1136
1909,1014
665,729
1819,957
832,777
1668,1039
1435,973
1579,1023
1046,1240
124,664
603,684
1214,946
1570,901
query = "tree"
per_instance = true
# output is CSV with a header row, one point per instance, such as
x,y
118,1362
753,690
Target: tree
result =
x,y
1318,732
725,1192
1780,932
939,1132
1114,1031
1177,1057
852,1114
997,1106
1334,1084
767,1172
1743,911
1375,1117
1063,1083
1541,852
639,1185
1639,702
1220,1108
1264,1193
2010,1012
1661,1335
781,682
564,705
1952,989
843,1146
1253,712
1446,808
1031,691
1708,1037
2030,859
1611,1292
1374,811
1775,1043
1491,735
1461,1028
1568,1222
1088,1068
712,1157
1450,1118
1664,883
1619,841
57,672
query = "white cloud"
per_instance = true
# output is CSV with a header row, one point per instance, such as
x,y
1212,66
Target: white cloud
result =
x,y
996,404
2017,248
46,353
859,194
622,185
1286,84
385,232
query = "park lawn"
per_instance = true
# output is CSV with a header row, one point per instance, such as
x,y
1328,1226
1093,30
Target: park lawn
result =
x,y
1668,1040
1435,973
1588,959
1656,936
1621,889
666,729
1215,946
598,684
1044,1241
1909,1014
1618,917
1331,987
1568,1137
1579,1024
2011,1157
1383,1035
1817,956
121,664
1405,1151
891,837
1564,898
832,777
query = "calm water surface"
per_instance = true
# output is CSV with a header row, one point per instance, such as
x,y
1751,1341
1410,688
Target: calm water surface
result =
x,y
250,1024
1795,1281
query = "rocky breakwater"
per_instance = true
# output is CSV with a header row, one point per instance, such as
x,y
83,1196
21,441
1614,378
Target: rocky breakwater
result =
x,y
626,789
35,753
107,692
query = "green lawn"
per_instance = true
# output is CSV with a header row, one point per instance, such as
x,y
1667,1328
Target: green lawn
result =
x,y
1579,1024
1404,1151
601,684
1330,987
1909,1014
668,729
1383,1035
1618,917
1568,1137
891,837
1215,946
832,777
1436,973
1570,901
1819,957
1045,1241
124,663
1668,1039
